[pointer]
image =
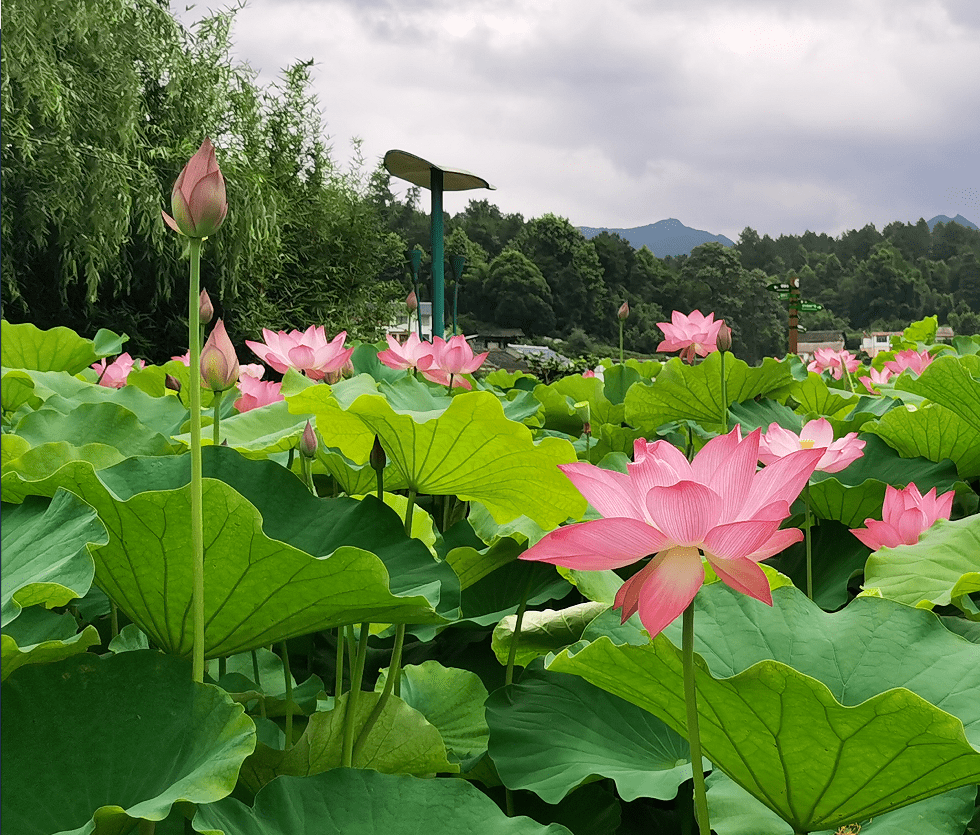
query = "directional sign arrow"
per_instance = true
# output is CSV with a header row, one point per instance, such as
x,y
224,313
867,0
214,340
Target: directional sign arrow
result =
x,y
777,287
811,306
784,296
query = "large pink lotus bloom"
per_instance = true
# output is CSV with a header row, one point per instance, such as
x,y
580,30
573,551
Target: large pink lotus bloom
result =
x,y
875,378
415,353
115,373
905,514
694,334
257,393
198,201
816,434
307,351
913,360
827,359
719,504
450,359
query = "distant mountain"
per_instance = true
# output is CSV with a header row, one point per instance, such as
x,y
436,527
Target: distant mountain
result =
x,y
962,221
663,238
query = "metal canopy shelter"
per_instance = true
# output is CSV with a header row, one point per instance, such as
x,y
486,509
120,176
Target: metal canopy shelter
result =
x,y
437,179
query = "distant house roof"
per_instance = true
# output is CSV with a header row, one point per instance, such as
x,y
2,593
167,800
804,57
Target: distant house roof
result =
x,y
821,336
507,360
540,352
945,332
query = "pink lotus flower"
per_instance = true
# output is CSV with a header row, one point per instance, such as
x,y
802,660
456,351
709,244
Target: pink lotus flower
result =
x,y
905,515
623,312
875,378
588,373
913,360
415,353
451,358
219,362
198,200
307,351
827,359
257,393
183,358
115,373
816,434
719,504
254,370
694,334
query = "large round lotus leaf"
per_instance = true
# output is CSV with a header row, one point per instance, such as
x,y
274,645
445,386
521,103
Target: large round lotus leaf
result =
x,y
734,811
348,801
12,447
542,632
16,390
826,718
814,397
265,430
259,589
41,461
942,568
357,479
952,383
551,732
400,742
39,636
450,699
684,392
468,449
58,349
44,552
91,744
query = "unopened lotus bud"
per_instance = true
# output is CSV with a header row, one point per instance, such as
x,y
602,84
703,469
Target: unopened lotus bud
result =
x,y
172,383
724,340
412,302
308,442
219,362
378,458
624,311
198,202
207,309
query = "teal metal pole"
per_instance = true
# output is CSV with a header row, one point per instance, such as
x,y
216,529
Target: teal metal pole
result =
x,y
438,256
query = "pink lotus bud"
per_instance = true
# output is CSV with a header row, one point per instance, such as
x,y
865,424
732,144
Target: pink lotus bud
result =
x,y
198,201
219,362
308,442
378,458
207,309
172,383
412,302
724,339
624,311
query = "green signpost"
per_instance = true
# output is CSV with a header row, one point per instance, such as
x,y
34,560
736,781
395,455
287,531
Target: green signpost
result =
x,y
810,306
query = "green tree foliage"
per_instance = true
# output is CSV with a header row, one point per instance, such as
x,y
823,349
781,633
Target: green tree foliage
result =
x,y
103,102
520,295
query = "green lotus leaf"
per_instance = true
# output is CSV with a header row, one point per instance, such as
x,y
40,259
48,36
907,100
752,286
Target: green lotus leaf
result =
x,y
357,479
347,801
39,636
152,379
815,398
92,745
239,682
11,448
470,450
931,431
472,565
507,380
940,570
559,399
260,587
42,461
260,432
88,423
552,732
450,699
16,390
599,586
129,639
753,414
365,361
874,710
682,392
734,811
543,632
617,380
499,594
401,741
57,349
45,552
949,382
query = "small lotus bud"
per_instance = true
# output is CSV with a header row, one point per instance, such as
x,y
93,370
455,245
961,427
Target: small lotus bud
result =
x,y
198,202
308,442
587,428
207,309
172,383
219,363
724,340
412,302
378,458
624,311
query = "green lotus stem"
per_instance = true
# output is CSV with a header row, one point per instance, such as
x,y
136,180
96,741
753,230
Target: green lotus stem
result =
x,y
512,655
197,473
809,546
222,666
394,674
847,376
409,510
724,396
339,681
114,618
258,683
693,730
307,470
588,446
289,695
621,360
289,460
357,673
447,505
381,484
216,427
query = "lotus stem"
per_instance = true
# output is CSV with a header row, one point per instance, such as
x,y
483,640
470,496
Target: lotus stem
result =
x,y
258,682
289,460
357,673
409,511
307,470
289,695
621,360
693,730
394,674
724,396
809,545
339,680
222,666
197,475
216,436
114,618
512,655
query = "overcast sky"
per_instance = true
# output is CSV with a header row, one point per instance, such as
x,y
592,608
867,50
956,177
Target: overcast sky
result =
x,y
782,115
